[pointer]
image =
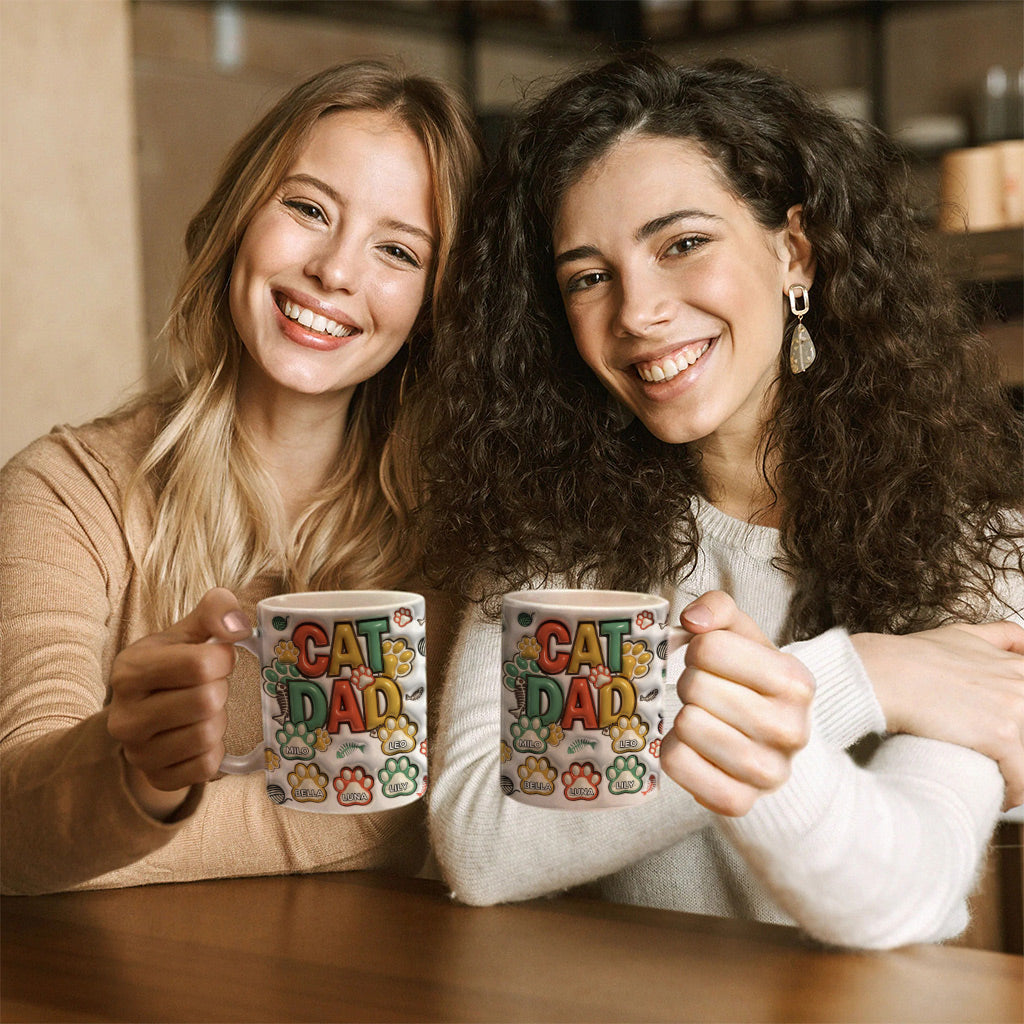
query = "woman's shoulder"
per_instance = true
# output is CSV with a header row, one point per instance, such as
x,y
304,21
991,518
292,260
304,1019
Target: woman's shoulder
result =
x,y
105,450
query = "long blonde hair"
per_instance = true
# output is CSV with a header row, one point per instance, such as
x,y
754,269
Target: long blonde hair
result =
x,y
218,519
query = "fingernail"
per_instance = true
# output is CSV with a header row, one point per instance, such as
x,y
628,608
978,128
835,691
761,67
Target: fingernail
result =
x,y
236,622
699,615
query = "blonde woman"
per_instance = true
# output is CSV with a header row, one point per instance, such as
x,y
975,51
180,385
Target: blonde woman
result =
x,y
272,460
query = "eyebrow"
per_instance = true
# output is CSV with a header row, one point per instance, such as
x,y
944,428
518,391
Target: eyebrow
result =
x,y
642,234
335,197
652,227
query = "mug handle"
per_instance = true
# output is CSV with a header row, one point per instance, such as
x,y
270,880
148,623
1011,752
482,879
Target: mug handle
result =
x,y
678,637
242,764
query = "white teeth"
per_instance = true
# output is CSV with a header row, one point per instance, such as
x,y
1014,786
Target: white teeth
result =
x,y
669,367
314,321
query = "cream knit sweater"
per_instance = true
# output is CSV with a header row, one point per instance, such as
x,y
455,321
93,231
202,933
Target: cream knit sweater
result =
x,y
70,600
874,856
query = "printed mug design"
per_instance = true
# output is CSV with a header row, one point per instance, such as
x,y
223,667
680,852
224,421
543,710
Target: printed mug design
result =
x,y
348,702
581,707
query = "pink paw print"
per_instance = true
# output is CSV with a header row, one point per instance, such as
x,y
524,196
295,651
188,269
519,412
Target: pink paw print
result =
x,y
353,786
600,675
581,781
402,617
654,747
361,677
645,619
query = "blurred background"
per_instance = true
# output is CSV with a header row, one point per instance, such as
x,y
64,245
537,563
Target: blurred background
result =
x,y
117,113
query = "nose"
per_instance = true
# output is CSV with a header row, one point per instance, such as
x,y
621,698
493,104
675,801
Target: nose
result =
x,y
337,264
644,304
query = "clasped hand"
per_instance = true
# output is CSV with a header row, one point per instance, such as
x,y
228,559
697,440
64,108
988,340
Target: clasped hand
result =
x,y
960,683
746,710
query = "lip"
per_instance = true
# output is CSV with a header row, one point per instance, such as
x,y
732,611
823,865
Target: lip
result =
x,y
295,332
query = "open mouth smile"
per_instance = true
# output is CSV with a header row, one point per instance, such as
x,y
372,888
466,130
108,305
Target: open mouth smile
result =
x,y
314,321
666,367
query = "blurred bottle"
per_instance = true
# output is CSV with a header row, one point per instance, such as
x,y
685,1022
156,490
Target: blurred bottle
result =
x,y
1000,107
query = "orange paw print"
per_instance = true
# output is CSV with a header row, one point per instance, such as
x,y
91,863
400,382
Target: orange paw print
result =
x,y
361,677
582,781
353,786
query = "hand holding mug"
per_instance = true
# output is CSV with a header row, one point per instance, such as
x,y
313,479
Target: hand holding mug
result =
x,y
746,710
168,696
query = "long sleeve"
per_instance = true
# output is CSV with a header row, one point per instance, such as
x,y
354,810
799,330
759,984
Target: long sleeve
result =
x,y
492,849
66,809
880,856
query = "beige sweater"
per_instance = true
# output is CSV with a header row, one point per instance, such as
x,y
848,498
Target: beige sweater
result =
x,y
70,600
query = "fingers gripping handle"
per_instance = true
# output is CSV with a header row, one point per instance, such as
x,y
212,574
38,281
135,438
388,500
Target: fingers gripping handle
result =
x,y
242,764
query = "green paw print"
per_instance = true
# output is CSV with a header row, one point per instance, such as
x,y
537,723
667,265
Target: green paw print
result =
x,y
529,736
625,775
398,777
516,669
279,672
296,743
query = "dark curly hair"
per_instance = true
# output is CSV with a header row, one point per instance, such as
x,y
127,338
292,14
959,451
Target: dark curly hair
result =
x,y
899,457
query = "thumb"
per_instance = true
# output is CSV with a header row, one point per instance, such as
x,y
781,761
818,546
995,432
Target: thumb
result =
x,y
717,610
218,616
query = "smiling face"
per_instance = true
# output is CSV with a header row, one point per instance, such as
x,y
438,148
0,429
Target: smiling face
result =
x,y
673,290
332,270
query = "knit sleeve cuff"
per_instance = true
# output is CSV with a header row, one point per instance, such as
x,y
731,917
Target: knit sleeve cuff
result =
x,y
845,706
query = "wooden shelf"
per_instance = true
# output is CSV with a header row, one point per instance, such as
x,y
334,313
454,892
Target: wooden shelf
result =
x,y
987,257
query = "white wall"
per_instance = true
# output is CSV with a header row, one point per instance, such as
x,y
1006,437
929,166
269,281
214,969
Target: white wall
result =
x,y
71,342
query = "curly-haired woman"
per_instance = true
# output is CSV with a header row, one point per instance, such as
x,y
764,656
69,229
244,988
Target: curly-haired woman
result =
x,y
699,347
273,460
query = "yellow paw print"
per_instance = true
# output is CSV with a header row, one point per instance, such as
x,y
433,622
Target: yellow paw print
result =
x,y
398,657
309,784
529,648
628,734
506,752
271,759
287,653
636,659
397,735
555,734
537,777
321,739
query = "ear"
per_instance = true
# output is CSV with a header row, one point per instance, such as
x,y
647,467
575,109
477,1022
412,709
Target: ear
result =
x,y
798,246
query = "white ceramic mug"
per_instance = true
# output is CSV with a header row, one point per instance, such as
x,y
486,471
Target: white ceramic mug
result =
x,y
583,678
343,690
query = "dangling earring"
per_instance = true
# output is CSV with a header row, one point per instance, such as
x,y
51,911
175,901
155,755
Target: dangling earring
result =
x,y
801,350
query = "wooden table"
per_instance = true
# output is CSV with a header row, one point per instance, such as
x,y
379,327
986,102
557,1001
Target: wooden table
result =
x,y
368,947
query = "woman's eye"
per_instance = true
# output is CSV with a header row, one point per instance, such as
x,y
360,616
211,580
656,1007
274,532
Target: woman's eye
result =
x,y
399,252
584,282
682,246
309,210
